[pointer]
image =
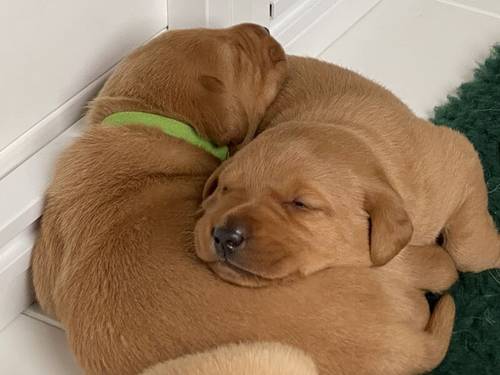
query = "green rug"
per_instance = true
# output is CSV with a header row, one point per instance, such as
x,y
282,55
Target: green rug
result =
x,y
475,111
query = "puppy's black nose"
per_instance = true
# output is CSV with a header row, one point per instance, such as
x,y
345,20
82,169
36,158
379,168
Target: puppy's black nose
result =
x,y
227,240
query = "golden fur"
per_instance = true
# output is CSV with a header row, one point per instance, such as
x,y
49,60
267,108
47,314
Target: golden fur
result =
x,y
220,82
242,359
350,176
115,263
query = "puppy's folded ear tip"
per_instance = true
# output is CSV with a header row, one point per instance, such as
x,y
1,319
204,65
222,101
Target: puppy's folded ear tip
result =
x,y
381,258
386,244
391,228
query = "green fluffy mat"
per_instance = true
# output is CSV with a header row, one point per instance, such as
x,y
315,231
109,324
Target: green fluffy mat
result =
x,y
475,111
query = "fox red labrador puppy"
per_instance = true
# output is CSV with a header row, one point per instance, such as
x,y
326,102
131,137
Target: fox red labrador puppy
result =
x,y
345,174
158,128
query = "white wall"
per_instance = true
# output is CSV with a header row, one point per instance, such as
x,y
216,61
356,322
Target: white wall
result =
x,y
54,57
216,13
301,26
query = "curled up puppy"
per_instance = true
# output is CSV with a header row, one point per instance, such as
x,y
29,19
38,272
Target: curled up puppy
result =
x,y
345,174
160,125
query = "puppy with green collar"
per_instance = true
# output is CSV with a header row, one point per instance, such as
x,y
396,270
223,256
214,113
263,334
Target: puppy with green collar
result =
x,y
124,195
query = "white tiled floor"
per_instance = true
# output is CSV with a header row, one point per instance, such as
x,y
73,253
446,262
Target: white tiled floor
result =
x,y
30,347
420,49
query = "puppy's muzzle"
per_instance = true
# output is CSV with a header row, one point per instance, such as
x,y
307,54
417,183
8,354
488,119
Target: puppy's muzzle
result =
x,y
227,240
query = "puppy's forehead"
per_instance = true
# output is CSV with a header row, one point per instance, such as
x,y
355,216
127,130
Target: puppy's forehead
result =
x,y
272,164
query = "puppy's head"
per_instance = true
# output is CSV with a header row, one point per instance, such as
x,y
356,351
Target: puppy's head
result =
x,y
292,203
218,80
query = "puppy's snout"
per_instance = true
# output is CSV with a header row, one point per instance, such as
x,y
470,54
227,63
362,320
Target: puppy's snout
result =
x,y
227,240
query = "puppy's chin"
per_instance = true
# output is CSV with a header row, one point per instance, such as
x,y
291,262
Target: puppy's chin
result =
x,y
239,277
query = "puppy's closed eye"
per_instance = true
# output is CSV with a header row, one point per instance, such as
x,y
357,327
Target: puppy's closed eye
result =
x,y
212,84
299,204
311,204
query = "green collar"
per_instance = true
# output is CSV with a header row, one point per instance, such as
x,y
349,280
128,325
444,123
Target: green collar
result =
x,y
169,126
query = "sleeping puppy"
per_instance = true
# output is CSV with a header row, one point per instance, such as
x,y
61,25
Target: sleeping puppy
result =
x,y
207,79
115,262
350,177
158,128
144,299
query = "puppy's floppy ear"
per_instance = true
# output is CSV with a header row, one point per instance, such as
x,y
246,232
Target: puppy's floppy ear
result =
x,y
212,84
391,228
222,118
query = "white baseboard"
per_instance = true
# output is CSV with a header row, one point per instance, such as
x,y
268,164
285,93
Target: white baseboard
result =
x,y
184,14
314,25
24,188
35,312
26,167
15,279
304,27
14,298
48,128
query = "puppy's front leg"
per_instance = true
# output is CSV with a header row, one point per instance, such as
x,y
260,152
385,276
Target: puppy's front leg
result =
x,y
428,267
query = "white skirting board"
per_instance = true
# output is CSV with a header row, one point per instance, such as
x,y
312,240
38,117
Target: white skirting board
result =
x,y
36,312
22,199
301,26
26,164
15,296
309,28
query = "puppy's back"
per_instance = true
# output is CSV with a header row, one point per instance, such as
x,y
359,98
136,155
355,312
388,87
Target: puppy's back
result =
x,y
317,91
